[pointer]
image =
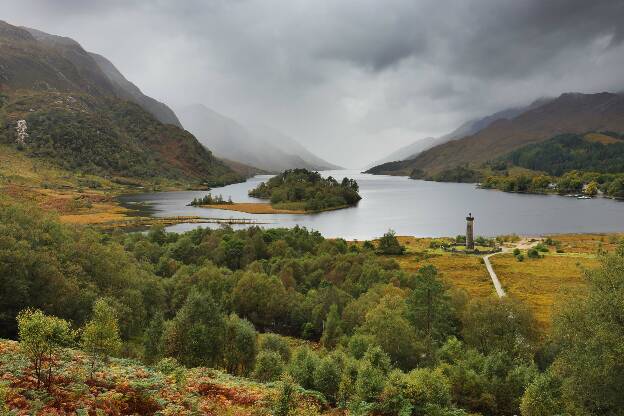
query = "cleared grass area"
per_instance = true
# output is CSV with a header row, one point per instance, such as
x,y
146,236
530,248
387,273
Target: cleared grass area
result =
x,y
601,138
458,270
540,283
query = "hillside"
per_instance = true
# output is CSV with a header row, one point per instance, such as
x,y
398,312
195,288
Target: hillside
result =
x,y
569,113
603,153
258,146
75,117
466,129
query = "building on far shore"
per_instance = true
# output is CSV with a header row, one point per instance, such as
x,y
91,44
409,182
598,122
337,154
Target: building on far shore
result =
x,y
470,232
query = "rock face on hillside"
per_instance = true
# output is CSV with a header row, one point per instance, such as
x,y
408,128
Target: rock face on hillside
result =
x,y
89,121
569,113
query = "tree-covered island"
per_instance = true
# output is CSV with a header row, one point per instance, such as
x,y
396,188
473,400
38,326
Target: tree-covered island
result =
x,y
304,190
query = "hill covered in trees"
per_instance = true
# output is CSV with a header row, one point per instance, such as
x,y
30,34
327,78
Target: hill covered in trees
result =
x,y
301,189
341,328
572,113
58,104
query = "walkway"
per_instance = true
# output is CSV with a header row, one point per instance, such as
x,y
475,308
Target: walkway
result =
x,y
524,244
497,284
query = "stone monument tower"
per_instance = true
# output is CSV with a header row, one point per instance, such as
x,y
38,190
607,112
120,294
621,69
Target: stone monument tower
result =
x,y
470,232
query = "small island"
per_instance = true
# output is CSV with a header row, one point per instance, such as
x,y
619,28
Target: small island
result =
x,y
307,191
294,191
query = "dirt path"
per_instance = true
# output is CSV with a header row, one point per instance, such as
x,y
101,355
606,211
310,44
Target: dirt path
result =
x,y
523,244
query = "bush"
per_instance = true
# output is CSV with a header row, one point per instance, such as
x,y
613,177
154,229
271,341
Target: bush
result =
x,y
327,377
275,343
533,254
520,257
100,337
285,401
389,244
303,366
269,366
42,337
516,251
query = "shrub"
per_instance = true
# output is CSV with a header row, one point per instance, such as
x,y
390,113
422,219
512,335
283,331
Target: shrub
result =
x,y
533,254
516,251
389,244
302,367
275,343
327,377
285,401
100,336
520,257
369,383
42,337
269,366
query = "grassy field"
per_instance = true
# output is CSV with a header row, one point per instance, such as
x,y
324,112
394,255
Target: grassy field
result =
x,y
540,283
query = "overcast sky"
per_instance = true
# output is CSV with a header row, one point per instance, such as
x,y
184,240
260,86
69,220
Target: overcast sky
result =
x,y
352,80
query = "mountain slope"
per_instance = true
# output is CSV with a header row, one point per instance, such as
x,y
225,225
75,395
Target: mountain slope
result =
x,y
468,128
128,91
112,81
261,147
569,113
75,118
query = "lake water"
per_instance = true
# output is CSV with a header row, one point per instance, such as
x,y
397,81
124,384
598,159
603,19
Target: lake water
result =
x,y
409,207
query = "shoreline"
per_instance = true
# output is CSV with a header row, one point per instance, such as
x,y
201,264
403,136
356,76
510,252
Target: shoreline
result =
x,y
265,208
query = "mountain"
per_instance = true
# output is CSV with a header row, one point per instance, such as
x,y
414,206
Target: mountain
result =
x,y
128,91
259,146
466,129
573,113
78,117
119,85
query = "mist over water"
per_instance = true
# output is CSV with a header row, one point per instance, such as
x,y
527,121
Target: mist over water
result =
x,y
410,207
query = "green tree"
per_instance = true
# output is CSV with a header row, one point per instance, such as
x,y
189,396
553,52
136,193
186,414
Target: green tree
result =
x,y
389,244
492,324
41,338
153,339
590,334
387,323
332,328
302,367
327,377
429,309
196,335
275,343
285,402
100,336
240,346
542,397
269,366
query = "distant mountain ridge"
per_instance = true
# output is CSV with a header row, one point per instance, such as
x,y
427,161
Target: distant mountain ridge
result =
x,y
87,121
258,146
569,113
468,128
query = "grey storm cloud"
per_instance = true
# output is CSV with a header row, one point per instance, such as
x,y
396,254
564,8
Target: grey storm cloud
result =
x,y
351,79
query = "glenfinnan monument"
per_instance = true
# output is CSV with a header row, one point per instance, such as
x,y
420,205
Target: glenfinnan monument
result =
x,y
470,232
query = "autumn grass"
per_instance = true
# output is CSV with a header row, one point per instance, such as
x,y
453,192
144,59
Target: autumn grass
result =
x,y
457,269
253,208
540,283
601,138
267,208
